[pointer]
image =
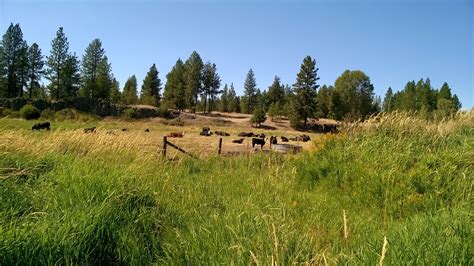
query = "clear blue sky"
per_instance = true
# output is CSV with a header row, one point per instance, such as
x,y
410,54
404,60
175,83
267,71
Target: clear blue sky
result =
x,y
391,41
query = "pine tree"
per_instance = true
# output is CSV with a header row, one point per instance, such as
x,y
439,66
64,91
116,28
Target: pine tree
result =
x,y
224,102
150,93
305,91
3,71
14,61
234,103
250,88
115,94
56,61
194,66
71,77
91,60
175,88
35,68
103,81
211,83
276,93
130,91
388,101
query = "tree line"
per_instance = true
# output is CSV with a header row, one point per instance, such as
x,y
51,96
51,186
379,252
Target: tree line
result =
x,y
195,85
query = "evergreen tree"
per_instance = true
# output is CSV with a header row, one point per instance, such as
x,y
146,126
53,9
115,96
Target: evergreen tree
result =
x,y
211,83
305,91
91,61
115,94
3,71
175,88
250,88
323,100
103,80
224,102
194,66
388,101
276,93
336,109
234,103
444,92
71,77
56,61
130,91
150,93
14,62
35,68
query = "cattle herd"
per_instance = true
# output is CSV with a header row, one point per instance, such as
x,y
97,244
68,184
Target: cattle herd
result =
x,y
257,139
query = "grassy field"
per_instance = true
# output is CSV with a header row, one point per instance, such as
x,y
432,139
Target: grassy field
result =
x,y
67,197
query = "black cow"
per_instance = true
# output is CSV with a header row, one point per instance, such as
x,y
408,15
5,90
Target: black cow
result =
x,y
221,133
39,126
284,139
124,129
258,141
273,140
89,130
147,130
205,132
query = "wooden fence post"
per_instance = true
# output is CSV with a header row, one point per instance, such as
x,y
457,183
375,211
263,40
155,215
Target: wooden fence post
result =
x,y
163,151
219,149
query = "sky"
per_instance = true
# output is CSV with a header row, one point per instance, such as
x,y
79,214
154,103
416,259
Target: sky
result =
x,y
392,41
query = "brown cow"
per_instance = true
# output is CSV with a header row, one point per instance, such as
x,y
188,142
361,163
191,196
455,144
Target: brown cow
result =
x,y
176,135
246,134
238,141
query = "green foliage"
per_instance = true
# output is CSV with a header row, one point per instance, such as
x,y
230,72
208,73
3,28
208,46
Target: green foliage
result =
x,y
29,112
258,117
130,91
388,101
276,93
276,111
305,89
249,102
224,101
150,93
356,95
14,62
115,94
35,71
57,58
128,113
193,79
175,88
211,83
425,100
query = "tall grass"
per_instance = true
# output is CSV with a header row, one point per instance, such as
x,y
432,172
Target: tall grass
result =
x,y
69,198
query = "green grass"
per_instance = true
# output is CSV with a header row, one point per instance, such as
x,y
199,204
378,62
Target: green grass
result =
x,y
398,177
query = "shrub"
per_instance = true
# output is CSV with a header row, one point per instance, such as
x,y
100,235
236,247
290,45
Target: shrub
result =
x,y
29,112
164,112
258,117
128,113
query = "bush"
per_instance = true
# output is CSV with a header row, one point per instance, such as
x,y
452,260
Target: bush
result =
x,y
5,112
258,117
164,113
29,112
128,113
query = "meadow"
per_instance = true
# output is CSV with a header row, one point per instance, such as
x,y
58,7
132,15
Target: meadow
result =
x,y
394,189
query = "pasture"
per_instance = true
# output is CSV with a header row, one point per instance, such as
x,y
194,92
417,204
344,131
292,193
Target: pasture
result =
x,y
67,197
